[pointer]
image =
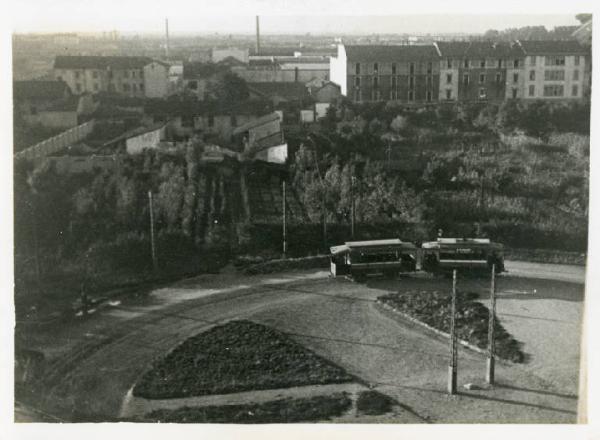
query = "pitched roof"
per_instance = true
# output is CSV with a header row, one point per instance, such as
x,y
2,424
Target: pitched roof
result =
x,y
478,49
384,53
40,90
172,107
561,47
257,122
101,62
287,90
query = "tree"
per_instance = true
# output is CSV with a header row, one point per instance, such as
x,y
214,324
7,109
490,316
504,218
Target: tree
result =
x,y
231,89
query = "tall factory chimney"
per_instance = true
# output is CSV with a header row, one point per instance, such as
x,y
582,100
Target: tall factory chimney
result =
x,y
167,35
257,36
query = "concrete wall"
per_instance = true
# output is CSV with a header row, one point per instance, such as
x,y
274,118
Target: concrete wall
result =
x,y
149,140
57,143
156,80
338,69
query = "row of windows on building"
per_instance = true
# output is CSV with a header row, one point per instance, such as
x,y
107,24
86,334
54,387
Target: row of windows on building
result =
x,y
126,87
96,74
375,81
554,75
394,95
556,60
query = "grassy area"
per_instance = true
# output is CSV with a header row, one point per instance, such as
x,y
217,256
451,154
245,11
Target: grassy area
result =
x,y
233,357
433,308
309,409
282,265
373,403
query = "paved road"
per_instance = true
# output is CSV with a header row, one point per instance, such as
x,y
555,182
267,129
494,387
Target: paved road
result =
x,y
95,361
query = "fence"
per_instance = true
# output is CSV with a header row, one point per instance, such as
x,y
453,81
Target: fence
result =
x,y
57,143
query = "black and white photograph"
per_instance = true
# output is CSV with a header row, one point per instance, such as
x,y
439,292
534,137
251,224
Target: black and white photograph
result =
x,y
293,217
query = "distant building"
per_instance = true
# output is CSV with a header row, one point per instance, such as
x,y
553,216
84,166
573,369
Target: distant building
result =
x,y
130,76
199,77
221,54
278,92
327,91
554,69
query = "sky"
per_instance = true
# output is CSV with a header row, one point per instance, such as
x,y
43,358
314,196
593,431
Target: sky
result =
x,y
277,16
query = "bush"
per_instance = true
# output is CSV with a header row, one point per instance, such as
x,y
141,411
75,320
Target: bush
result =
x,y
433,308
374,403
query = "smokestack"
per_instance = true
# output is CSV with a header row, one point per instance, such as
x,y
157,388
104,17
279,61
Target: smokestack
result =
x,y
167,34
257,36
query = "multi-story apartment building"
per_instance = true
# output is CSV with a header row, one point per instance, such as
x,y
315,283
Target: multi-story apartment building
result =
x,y
409,74
462,71
554,69
130,76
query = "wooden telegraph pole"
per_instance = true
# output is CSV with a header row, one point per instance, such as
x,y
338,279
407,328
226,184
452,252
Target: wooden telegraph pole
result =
x,y
453,348
489,377
284,219
150,201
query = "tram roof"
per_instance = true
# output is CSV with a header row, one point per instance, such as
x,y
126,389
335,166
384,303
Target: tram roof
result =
x,y
392,243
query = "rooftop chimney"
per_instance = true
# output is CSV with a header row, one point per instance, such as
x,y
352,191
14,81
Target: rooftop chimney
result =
x,y
257,36
167,34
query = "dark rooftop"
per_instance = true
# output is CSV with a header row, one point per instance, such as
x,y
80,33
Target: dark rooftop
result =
x,y
383,53
101,62
172,107
478,49
287,90
561,47
40,90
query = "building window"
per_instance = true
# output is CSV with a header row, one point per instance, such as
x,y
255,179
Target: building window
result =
x,y
125,87
357,81
449,78
515,77
393,68
531,90
532,60
394,95
357,69
448,93
142,72
141,87
429,82
133,74
59,78
481,78
498,78
411,95
557,60
574,90
375,81
466,79
96,87
211,121
78,87
576,75
193,85
499,63
376,68
516,64
554,75
482,64
134,87
482,93
554,90
394,81
532,75
411,81
514,93
95,74
577,60
429,68
76,75
357,95
411,68
466,64
126,73
449,63
428,96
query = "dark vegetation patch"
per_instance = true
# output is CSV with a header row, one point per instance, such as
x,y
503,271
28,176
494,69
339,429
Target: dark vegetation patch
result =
x,y
234,357
374,403
281,265
433,308
309,409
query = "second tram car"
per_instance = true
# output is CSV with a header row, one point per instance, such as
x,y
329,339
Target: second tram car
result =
x,y
472,254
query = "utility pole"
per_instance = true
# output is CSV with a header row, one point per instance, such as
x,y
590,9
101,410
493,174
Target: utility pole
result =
x,y
453,348
284,219
150,201
489,377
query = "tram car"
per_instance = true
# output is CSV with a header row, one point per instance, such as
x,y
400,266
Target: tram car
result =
x,y
471,254
361,258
